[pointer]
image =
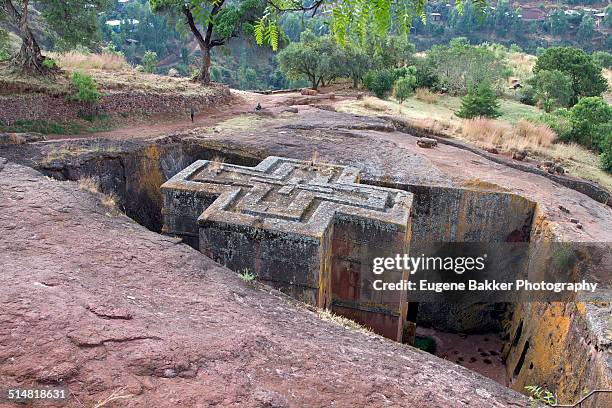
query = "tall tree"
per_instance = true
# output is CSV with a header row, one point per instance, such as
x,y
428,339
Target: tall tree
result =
x,y
73,20
557,20
586,76
213,22
586,29
319,59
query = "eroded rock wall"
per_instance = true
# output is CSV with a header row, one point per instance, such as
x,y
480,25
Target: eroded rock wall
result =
x,y
134,172
562,346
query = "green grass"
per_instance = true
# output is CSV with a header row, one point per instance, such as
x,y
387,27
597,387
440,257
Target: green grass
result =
x,y
445,107
513,111
97,124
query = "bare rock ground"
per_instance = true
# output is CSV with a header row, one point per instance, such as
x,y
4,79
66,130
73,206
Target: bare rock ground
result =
x,y
100,304
383,153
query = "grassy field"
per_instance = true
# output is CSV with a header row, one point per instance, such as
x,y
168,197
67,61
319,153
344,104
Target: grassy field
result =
x,y
514,130
110,71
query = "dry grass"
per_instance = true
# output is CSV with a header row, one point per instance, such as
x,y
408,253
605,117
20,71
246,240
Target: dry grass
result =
x,y
115,396
373,105
522,64
523,135
109,200
64,152
540,141
425,95
90,184
329,316
239,123
478,184
78,61
434,125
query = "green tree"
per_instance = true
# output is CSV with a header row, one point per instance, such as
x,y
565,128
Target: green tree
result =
x,y
557,21
73,20
404,87
389,52
608,16
587,79
357,63
591,120
603,58
4,41
426,75
553,89
480,101
213,22
149,60
460,66
586,29
319,59
379,82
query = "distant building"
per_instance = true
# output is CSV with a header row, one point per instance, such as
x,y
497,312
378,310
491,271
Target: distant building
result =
x,y
436,16
599,17
121,4
116,24
572,12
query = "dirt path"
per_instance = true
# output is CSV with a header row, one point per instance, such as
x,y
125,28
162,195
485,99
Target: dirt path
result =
x,y
160,125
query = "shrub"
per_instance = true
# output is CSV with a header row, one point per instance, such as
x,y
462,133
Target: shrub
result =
x,y
425,95
553,89
527,95
379,82
404,87
49,63
85,89
603,58
426,76
480,101
149,60
403,72
591,120
559,122
515,48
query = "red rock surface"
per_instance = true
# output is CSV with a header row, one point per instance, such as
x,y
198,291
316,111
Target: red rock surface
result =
x,y
101,304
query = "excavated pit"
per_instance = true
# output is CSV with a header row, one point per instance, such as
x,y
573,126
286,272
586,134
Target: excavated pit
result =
x,y
134,175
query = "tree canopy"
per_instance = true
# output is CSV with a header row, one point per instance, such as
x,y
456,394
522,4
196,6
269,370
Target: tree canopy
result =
x,y
213,22
586,76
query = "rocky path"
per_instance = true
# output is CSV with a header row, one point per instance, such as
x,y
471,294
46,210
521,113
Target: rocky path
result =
x,y
96,302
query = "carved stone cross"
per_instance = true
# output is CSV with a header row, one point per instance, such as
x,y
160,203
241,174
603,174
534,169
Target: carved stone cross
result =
x,y
308,229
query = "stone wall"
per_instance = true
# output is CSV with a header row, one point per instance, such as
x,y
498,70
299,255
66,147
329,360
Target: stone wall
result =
x,y
57,108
